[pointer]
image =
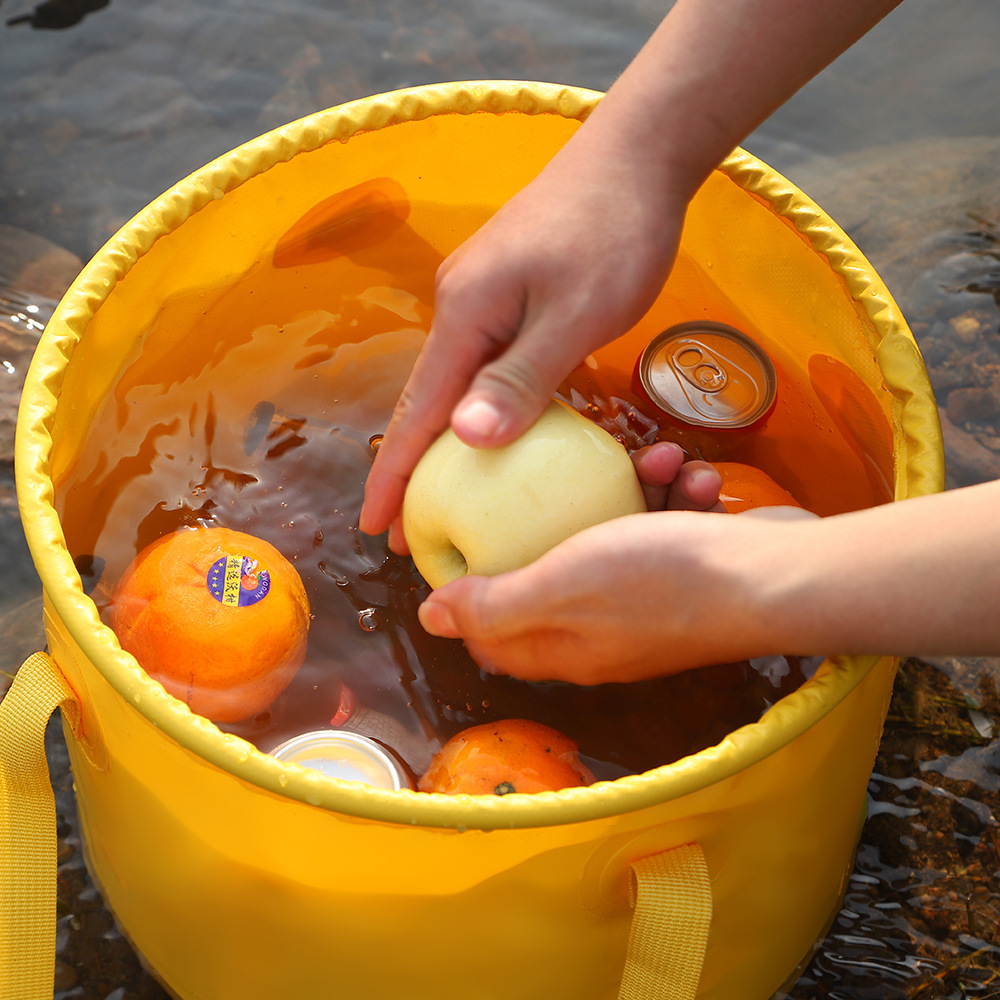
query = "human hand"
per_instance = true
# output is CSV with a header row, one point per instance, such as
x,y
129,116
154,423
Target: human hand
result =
x,y
630,599
475,608
670,483
569,264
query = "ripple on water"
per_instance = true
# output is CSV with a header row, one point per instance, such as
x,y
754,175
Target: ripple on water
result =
x,y
921,916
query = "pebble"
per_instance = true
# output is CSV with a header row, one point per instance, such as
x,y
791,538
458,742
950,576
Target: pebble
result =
x,y
34,265
968,461
990,441
66,977
965,327
22,632
971,405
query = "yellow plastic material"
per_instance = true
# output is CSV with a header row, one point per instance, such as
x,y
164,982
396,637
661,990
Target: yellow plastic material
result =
x,y
672,896
28,829
240,878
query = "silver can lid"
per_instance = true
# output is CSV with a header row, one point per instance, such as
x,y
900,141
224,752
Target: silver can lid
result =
x,y
705,374
345,756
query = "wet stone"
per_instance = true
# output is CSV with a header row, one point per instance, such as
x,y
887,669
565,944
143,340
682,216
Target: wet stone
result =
x,y
34,265
22,633
927,215
928,849
966,327
21,630
990,441
34,273
892,832
18,341
973,406
968,461
66,977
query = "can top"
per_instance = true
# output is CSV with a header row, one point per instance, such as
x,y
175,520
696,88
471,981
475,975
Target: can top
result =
x,y
705,374
346,756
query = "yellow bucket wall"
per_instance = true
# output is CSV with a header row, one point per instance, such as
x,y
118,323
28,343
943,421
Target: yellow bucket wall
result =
x,y
238,877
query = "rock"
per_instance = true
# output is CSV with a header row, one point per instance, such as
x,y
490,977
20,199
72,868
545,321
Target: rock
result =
x,y
58,13
19,333
22,633
966,327
973,406
34,265
913,206
294,99
990,441
967,461
927,215
34,273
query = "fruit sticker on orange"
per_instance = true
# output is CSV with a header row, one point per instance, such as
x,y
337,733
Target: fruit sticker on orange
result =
x,y
171,611
237,581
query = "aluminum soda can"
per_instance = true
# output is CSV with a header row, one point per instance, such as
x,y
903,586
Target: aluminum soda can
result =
x,y
347,756
709,376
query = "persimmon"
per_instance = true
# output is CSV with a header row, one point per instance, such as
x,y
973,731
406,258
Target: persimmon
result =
x,y
745,487
511,755
219,617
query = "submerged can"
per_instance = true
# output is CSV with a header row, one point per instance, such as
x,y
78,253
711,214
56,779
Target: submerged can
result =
x,y
707,375
346,756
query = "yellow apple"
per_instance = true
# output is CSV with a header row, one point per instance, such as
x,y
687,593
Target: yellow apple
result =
x,y
484,511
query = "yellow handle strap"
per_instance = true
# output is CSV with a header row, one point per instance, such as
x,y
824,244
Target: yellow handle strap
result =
x,y
672,898
28,831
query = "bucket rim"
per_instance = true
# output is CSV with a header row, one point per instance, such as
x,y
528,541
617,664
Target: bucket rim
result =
x,y
917,472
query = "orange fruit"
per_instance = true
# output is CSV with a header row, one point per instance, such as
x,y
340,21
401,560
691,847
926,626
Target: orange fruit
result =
x,y
512,755
220,618
745,487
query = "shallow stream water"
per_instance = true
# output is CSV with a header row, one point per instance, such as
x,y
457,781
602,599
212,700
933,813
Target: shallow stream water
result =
x,y
898,140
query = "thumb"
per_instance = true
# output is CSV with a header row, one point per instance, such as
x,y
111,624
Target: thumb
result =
x,y
509,394
486,609
445,613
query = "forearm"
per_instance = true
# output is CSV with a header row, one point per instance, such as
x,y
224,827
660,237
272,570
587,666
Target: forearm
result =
x,y
921,576
578,256
711,73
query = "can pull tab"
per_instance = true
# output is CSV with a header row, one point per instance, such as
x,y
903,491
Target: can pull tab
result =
x,y
698,366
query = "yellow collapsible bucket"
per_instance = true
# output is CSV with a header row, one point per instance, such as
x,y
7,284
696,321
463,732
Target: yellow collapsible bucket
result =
x,y
238,877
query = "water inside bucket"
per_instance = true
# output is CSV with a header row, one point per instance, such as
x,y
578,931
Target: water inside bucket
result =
x,y
273,436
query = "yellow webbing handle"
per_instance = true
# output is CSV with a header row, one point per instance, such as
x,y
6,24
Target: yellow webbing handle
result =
x,y
672,898
28,831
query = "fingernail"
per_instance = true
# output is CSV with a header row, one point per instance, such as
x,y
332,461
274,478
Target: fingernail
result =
x,y
479,418
437,620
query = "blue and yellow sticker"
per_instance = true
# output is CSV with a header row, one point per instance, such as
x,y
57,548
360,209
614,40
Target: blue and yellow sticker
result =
x,y
238,581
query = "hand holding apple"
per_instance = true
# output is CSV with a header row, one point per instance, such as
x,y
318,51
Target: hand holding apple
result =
x,y
484,511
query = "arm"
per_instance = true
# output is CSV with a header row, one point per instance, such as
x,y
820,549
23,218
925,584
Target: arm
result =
x,y
522,302
679,590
